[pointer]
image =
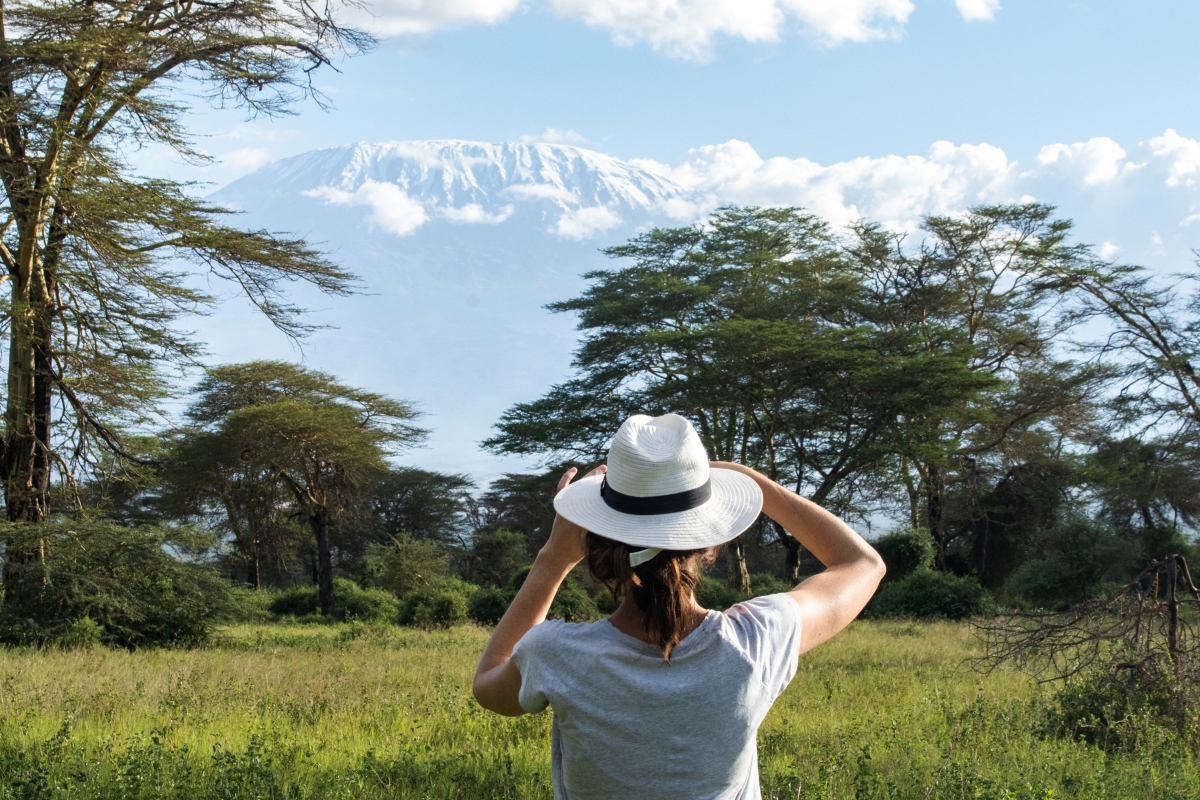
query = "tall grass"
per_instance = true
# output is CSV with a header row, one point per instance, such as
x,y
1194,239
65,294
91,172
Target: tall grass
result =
x,y
884,710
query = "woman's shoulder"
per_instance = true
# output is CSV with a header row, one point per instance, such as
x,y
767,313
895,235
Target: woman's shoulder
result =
x,y
558,633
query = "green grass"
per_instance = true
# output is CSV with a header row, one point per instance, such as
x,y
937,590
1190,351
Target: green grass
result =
x,y
885,710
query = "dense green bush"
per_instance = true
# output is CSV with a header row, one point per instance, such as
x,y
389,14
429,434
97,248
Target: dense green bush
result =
x,y
1079,558
350,602
904,552
404,565
572,601
713,593
140,586
927,594
498,555
439,605
764,583
488,605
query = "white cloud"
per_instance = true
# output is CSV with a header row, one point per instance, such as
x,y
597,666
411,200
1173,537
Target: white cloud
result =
x,y
1108,251
422,17
1096,161
391,208
245,159
542,191
553,136
474,214
1183,153
582,223
687,28
978,10
1190,219
895,190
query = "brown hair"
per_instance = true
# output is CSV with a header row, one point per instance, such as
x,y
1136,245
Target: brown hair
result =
x,y
662,587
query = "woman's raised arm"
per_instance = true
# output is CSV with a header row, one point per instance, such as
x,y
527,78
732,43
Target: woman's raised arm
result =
x,y
830,600
497,681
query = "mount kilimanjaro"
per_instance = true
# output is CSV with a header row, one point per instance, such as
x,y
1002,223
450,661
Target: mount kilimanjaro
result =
x,y
459,246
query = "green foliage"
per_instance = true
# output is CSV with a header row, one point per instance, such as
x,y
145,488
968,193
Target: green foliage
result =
x,y
440,605
488,605
1126,707
142,586
252,717
498,555
1080,558
404,565
926,594
84,634
904,552
572,601
350,602
713,593
764,583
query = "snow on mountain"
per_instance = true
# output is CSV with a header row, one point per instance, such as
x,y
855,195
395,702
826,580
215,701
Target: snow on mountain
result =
x,y
401,186
459,246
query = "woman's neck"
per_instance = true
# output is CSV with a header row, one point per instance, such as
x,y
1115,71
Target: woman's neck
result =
x,y
631,620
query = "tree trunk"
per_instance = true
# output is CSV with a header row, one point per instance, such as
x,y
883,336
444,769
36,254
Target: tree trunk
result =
x,y
252,571
935,482
320,527
791,554
739,575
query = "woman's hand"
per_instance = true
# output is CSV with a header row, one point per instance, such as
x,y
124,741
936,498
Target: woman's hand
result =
x,y
567,540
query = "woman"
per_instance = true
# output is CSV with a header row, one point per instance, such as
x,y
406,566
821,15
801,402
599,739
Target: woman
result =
x,y
664,698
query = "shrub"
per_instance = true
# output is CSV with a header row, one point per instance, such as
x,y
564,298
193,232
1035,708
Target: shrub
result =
x,y
572,601
142,586
928,595
84,634
404,565
1079,557
498,556
440,605
904,552
488,605
713,593
350,602
573,604
764,583
251,605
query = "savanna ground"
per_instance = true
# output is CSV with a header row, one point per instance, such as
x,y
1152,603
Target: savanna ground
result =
x,y
885,710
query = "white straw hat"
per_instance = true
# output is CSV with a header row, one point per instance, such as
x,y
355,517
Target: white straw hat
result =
x,y
659,492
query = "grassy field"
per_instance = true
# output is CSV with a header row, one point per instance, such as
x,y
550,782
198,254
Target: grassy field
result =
x,y
885,710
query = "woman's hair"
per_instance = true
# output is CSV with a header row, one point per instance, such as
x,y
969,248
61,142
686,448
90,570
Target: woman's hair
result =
x,y
662,587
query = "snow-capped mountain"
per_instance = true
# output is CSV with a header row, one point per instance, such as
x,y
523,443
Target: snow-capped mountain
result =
x,y
459,246
402,186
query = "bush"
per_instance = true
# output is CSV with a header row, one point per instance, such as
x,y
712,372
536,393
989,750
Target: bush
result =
x,y
350,602
764,583
142,586
713,593
488,605
904,552
571,602
1079,557
930,595
405,565
251,605
440,605
84,634
498,556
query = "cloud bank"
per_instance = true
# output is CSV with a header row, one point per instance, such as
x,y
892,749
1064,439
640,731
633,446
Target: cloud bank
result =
x,y
679,28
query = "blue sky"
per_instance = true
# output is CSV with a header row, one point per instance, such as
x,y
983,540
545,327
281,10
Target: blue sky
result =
x,y
1037,73
886,109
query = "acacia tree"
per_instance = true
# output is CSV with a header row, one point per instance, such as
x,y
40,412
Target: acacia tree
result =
x,y
978,291
96,257
755,325
319,440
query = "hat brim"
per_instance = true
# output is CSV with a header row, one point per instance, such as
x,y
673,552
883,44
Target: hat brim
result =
x,y
734,506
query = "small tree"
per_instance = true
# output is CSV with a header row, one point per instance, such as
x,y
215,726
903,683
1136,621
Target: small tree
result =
x,y
321,441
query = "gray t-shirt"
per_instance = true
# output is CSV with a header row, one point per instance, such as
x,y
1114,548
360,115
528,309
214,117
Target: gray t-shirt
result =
x,y
627,724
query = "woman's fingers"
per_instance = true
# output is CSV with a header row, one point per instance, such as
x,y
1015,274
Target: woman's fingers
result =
x,y
569,475
566,478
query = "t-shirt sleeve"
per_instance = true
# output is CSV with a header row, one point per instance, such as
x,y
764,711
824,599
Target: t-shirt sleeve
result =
x,y
768,631
530,655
